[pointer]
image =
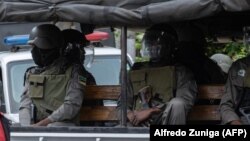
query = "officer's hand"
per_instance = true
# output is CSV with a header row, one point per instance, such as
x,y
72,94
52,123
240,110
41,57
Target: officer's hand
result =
x,y
131,116
143,115
43,122
235,122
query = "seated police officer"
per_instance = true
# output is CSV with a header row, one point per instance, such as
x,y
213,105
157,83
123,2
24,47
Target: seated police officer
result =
x,y
191,53
55,87
74,51
161,91
235,103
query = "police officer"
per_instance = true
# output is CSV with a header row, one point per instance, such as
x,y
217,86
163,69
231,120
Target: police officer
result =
x,y
161,91
74,50
75,53
54,87
191,53
235,103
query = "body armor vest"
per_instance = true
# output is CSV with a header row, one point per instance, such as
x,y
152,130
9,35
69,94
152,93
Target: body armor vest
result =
x,y
48,89
160,80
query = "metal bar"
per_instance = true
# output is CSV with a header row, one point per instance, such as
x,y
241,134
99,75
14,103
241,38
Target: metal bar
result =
x,y
124,76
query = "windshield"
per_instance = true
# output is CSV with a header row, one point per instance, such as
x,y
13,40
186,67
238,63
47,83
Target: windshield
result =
x,y
105,69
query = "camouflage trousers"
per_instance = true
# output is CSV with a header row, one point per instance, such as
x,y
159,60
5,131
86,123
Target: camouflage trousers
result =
x,y
174,113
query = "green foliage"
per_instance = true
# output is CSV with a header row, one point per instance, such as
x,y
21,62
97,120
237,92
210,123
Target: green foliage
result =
x,y
235,50
138,40
141,59
138,46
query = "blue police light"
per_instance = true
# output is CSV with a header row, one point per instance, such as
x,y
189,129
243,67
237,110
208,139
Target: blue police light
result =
x,y
16,40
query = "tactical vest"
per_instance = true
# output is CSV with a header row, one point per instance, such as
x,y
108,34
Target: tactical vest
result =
x,y
48,89
160,79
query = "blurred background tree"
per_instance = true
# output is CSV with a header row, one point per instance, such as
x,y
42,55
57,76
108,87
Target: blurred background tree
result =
x,y
138,46
235,50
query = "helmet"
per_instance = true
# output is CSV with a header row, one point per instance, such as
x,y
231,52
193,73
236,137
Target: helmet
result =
x,y
223,61
75,36
191,41
76,42
158,43
47,42
46,36
190,33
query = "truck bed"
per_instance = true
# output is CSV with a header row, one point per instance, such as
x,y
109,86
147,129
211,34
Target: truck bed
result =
x,y
79,134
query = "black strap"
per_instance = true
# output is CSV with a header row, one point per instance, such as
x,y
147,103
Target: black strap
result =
x,y
25,74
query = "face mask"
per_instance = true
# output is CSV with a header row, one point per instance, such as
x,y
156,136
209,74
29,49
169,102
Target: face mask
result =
x,y
44,57
36,55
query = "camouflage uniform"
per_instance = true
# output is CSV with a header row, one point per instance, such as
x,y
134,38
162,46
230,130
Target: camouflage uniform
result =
x,y
236,92
177,108
67,113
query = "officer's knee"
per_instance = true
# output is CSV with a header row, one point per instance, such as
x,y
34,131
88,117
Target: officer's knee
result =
x,y
177,103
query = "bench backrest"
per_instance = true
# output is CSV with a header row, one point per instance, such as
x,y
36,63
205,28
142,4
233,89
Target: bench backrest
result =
x,y
100,113
206,108
204,111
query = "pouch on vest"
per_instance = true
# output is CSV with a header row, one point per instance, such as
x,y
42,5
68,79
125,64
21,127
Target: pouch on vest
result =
x,y
161,80
50,94
36,86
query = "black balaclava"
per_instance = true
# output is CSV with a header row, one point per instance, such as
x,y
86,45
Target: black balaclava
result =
x,y
44,57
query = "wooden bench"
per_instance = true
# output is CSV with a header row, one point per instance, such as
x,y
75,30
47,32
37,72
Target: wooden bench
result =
x,y
205,110
100,113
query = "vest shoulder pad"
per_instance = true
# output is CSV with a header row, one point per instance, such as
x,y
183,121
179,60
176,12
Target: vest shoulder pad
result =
x,y
28,70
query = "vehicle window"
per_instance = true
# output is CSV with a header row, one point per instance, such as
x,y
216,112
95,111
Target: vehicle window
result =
x,y
16,72
105,69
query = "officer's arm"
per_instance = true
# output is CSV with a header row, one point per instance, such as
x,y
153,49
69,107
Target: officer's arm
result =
x,y
25,107
227,102
186,86
73,99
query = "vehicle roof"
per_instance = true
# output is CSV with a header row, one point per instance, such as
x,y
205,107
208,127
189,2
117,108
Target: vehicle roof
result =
x,y
117,12
8,56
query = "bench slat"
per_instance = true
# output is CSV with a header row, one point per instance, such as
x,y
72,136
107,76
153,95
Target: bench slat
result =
x,y
210,91
98,113
102,92
204,113
107,113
